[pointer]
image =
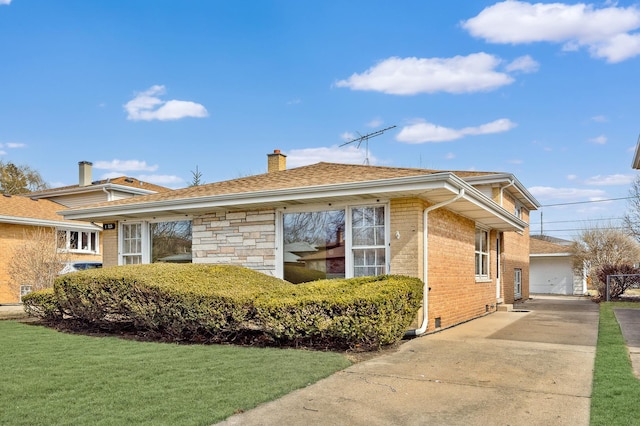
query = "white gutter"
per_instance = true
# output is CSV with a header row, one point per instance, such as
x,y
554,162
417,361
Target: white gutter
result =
x,y
425,265
511,182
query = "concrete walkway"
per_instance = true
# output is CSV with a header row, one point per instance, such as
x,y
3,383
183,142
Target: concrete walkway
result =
x,y
508,368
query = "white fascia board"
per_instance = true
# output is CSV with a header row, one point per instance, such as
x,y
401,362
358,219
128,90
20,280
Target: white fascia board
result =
x,y
503,178
47,223
94,188
476,197
413,183
551,255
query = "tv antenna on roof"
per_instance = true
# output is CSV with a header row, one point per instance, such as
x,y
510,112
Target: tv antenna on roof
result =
x,y
365,139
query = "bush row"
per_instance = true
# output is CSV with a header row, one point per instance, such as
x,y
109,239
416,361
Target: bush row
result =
x,y
217,302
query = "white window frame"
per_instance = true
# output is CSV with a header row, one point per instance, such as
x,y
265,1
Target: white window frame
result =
x,y
67,243
145,237
482,252
24,290
347,207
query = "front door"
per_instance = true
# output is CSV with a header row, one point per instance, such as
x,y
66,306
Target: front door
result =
x,y
517,284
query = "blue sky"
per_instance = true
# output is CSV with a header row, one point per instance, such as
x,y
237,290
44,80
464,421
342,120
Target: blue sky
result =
x,y
152,89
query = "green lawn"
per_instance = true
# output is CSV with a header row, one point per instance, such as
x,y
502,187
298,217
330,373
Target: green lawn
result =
x,y
48,377
616,391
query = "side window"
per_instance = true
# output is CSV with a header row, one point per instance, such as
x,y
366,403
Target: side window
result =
x,y
482,254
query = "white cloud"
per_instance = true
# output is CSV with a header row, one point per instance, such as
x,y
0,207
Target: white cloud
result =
x,y
147,106
13,145
3,152
600,140
604,32
572,177
331,154
5,2
376,122
566,194
125,166
525,64
347,136
422,131
610,180
600,119
410,76
450,156
295,101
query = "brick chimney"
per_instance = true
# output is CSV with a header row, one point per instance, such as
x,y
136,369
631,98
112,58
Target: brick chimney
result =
x,y
84,173
276,161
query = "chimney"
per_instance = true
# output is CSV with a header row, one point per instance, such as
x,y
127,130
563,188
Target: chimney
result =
x,y
84,173
276,161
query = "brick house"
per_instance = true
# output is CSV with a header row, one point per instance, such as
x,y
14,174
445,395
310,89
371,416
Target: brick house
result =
x,y
22,215
465,234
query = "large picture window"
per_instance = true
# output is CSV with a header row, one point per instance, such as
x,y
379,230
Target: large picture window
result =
x,y
337,243
150,242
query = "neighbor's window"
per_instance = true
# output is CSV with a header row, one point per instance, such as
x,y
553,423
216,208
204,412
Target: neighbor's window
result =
x,y
24,290
482,254
368,241
78,241
131,243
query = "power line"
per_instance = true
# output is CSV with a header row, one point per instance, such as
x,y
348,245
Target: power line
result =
x,y
587,202
578,220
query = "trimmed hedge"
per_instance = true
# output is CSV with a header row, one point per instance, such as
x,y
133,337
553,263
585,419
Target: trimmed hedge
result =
x,y
195,302
42,304
368,311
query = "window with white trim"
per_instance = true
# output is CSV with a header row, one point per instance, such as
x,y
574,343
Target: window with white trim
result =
x,y
24,290
78,241
155,241
131,240
482,254
347,242
368,241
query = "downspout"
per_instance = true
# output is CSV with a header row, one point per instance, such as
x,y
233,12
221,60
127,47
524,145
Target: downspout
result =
x,y
108,194
425,265
511,183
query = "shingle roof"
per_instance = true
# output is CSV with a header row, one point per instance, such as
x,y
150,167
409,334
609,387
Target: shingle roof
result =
x,y
122,180
300,177
538,246
24,207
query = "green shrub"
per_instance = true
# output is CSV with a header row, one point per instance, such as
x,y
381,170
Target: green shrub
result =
x,y
42,304
195,302
368,311
177,300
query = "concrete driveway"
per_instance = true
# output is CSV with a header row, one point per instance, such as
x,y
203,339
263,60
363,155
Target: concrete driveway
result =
x,y
507,368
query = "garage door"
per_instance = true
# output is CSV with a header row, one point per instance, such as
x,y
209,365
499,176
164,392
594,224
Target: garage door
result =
x,y
551,275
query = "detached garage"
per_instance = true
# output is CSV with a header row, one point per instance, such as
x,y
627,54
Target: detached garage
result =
x,y
551,269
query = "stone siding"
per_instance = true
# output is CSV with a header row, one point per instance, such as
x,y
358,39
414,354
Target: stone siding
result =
x,y
236,238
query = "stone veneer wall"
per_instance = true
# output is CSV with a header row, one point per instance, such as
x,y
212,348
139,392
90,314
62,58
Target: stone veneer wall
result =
x,y
245,238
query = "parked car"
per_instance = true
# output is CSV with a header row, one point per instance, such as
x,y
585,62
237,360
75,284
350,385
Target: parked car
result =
x,y
79,266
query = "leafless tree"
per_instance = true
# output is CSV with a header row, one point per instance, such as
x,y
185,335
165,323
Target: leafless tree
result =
x,y
36,261
599,245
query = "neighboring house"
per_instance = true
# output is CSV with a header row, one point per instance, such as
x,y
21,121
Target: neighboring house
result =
x,y
20,218
21,215
552,268
465,234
